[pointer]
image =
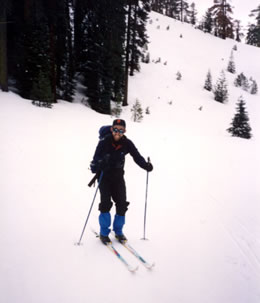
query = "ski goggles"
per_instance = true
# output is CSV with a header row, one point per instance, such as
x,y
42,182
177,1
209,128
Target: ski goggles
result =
x,y
120,131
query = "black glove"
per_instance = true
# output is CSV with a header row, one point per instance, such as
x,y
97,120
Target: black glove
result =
x,y
149,166
100,165
93,167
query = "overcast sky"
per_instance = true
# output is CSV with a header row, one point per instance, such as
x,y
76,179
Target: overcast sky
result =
x,y
241,8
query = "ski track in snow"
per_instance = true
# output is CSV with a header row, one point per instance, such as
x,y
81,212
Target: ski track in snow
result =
x,y
246,242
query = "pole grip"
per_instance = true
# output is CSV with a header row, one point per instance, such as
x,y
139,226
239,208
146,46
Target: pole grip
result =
x,y
93,180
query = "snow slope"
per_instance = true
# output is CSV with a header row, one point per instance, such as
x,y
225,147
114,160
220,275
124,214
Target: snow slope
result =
x,y
203,200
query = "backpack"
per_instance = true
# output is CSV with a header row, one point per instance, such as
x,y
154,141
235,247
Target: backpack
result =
x,y
104,131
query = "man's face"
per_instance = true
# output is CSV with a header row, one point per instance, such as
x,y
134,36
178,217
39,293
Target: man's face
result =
x,y
117,132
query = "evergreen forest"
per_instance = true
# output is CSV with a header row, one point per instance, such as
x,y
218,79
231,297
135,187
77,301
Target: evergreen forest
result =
x,y
49,47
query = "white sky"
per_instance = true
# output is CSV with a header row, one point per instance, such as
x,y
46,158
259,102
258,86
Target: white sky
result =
x,y
241,8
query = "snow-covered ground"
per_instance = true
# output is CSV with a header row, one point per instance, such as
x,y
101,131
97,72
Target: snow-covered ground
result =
x,y
203,199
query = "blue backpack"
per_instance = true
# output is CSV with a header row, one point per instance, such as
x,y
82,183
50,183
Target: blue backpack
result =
x,y
104,131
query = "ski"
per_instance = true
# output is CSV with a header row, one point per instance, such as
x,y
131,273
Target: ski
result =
x,y
115,252
137,255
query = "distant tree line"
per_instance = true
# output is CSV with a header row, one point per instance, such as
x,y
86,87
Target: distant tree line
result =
x,y
217,20
47,46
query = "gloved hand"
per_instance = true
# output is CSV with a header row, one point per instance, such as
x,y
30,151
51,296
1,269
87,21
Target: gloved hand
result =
x,y
149,166
93,167
100,165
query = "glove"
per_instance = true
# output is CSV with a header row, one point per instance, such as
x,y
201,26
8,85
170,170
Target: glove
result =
x,y
101,165
149,166
93,167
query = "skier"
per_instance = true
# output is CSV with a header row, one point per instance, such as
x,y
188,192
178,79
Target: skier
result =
x,y
109,157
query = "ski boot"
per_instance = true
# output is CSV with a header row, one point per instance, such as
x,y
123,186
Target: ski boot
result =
x,y
105,239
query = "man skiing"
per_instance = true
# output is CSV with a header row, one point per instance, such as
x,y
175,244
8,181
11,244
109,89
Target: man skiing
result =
x,y
109,158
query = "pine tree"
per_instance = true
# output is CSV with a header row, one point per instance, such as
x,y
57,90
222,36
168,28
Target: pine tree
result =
x,y
40,39
175,9
238,30
220,90
5,8
231,64
253,34
157,6
208,22
136,39
193,14
245,84
178,75
208,82
116,110
253,87
137,111
64,61
41,91
184,10
99,42
34,57
240,125
240,80
221,11
138,35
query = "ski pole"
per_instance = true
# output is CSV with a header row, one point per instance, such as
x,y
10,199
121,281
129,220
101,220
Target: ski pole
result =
x,y
99,180
145,206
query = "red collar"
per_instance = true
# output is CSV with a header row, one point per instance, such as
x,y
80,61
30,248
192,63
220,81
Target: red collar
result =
x,y
116,146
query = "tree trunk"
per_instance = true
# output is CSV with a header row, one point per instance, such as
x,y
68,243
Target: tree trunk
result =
x,y
132,62
125,100
3,52
224,28
53,44
53,63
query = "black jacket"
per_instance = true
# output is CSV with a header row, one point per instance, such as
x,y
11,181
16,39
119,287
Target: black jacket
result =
x,y
112,154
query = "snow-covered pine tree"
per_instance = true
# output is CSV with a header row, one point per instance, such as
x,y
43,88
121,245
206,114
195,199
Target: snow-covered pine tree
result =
x,y
208,22
240,124
223,26
137,111
238,30
208,82
178,75
193,14
253,87
231,64
239,80
253,34
245,84
146,58
220,91
41,92
116,109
